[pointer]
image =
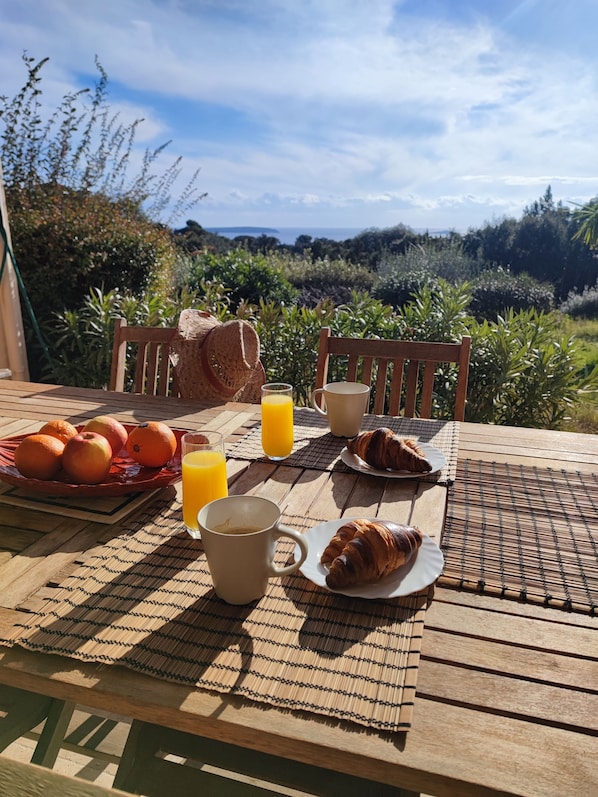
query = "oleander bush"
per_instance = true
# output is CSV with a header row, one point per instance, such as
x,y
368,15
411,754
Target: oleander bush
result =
x,y
525,371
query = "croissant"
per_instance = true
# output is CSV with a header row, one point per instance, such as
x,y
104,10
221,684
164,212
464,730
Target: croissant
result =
x,y
369,550
384,449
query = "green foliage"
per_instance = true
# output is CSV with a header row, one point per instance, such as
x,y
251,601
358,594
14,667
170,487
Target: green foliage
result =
x,y
77,217
582,305
192,239
587,216
289,343
402,275
437,313
397,288
82,339
66,242
524,372
247,277
83,147
543,243
322,278
289,336
497,290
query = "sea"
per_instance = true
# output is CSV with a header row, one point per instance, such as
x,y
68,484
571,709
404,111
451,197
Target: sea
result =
x,y
288,235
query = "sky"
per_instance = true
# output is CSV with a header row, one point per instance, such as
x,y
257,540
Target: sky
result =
x,y
436,114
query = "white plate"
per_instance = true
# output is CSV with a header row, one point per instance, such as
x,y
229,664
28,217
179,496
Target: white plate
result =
x,y
421,571
434,456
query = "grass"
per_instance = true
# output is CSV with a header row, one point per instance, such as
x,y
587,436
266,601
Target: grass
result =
x,y
585,417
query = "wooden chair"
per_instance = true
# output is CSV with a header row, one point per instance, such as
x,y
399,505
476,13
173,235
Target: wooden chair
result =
x,y
21,711
151,765
152,373
386,361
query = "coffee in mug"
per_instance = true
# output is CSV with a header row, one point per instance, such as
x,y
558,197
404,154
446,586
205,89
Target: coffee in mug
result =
x,y
239,535
344,404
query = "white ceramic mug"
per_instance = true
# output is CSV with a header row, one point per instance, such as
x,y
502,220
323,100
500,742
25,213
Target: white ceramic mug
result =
x,y
344,405
239,535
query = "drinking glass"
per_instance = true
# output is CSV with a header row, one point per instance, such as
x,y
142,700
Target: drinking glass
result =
x,y
277,420
204,474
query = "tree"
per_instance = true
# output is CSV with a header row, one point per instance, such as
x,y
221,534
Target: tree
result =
x,y
79,218
587,216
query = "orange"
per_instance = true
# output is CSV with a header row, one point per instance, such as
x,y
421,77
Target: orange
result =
x,y
39,456
151,444
63,430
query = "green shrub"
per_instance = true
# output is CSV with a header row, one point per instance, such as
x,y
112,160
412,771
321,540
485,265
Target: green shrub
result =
x,y
582,305
323,278
66,242
249,278
496,291
398,288
524,372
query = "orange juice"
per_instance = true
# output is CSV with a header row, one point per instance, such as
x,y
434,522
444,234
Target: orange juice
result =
x,y
204,480
277,425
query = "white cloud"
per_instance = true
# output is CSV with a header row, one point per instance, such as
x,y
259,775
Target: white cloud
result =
x,y
345,107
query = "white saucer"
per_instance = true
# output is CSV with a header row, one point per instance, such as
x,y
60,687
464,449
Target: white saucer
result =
x,y
434,456
421,571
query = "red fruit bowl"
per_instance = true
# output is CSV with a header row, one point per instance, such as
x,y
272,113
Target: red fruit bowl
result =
x,y
125,476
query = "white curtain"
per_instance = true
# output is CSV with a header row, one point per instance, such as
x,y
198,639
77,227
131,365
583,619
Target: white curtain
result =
x,y
13,352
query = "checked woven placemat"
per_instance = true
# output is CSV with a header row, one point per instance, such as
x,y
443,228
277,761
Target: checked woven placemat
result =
x,y
316,448
145,601
525,533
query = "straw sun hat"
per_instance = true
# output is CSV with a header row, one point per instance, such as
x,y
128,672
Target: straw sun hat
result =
x,y
215,361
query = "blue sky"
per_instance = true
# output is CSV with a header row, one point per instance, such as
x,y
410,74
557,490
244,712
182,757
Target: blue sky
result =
x,y
438,114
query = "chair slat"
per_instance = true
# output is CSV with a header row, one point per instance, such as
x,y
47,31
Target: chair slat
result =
x,y
396,386
427,390
411,388
352,368
141,369
367,364
380,388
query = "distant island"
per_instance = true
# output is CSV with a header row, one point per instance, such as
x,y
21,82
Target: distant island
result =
x,y
241,230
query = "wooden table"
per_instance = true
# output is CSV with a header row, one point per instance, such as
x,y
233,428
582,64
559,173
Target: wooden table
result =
x,y
507,692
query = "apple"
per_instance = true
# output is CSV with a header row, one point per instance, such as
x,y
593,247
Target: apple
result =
x,y
113,430
87,458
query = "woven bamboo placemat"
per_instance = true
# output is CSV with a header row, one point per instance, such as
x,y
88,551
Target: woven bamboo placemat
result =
x,y
316,448
530,534
103,509
145,601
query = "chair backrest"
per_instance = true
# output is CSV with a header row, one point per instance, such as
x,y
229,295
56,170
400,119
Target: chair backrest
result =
x,y
152,373
402,369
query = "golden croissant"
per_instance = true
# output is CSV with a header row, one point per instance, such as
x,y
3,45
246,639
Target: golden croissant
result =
x,y
367,550
384,449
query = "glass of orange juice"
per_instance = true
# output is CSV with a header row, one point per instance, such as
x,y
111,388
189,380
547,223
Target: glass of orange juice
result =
x,y
204,474
277,420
